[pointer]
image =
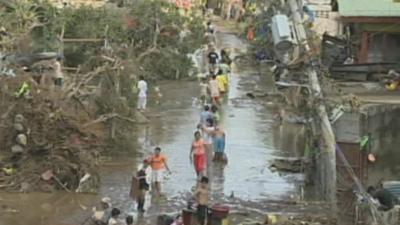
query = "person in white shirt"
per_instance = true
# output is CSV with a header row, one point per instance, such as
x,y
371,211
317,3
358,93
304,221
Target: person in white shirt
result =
x,y
142,97
58,74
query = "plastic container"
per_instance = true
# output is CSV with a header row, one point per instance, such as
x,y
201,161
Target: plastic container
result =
x,y
187,216
220,211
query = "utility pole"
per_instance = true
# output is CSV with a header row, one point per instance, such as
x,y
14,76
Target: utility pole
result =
x,y
328,147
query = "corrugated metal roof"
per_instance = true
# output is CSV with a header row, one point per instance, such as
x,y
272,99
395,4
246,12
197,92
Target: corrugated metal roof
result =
x,y
371,8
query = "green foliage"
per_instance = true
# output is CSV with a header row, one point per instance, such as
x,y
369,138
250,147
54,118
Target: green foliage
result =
x,y
160,27
153,32
17,18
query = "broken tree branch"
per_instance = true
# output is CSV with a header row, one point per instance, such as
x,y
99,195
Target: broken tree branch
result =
x,y
105,117
153,48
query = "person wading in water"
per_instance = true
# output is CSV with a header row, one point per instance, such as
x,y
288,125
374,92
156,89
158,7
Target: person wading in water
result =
x,y
158,163
198,155
143,186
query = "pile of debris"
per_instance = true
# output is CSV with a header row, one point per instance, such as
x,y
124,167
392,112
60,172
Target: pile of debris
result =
x,y
294,220
45,143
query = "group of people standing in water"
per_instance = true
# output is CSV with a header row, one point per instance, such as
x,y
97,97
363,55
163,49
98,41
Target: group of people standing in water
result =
x,y
208,145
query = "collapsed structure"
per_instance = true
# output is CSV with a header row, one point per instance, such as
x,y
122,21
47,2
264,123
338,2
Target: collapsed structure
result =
x,y
352,50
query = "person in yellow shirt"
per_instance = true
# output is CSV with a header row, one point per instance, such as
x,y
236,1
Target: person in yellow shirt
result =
x,y
222,80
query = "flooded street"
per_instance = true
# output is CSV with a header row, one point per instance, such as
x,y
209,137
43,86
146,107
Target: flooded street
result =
x,y
253,140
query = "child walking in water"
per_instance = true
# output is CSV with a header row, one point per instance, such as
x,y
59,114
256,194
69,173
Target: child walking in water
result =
x,y
203,91
202,199
198,155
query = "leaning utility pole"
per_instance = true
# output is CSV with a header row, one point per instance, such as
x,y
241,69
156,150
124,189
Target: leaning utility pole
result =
x,y
328,153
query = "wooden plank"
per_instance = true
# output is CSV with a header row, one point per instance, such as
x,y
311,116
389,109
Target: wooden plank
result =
x,y
82,40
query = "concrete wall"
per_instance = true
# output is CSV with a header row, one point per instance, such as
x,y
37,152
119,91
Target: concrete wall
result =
x,y
383,123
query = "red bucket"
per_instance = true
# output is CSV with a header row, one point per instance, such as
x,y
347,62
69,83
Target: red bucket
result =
x,y
220,211
187,216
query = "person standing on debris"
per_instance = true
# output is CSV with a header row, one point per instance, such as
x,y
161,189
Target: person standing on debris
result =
x,y
202,200
385,197
114,220
58,74
142,97
158,164
198,155
103,214
143,186
214,90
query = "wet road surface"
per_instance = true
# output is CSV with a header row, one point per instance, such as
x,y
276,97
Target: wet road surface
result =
x,y
253,139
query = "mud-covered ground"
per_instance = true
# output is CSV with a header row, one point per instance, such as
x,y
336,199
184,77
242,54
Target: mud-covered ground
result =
x,y
247,184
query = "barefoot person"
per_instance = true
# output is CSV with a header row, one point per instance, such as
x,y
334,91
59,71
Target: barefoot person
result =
x,y
202,199
158,163
219,144
143,186
198,155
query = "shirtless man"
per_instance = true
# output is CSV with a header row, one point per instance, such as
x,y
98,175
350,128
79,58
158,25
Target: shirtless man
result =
x,y
202,199
219,144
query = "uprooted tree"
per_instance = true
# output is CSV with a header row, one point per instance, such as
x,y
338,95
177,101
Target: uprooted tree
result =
x,y
59,133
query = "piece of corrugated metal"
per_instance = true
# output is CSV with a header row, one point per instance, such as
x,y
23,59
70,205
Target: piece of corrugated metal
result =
x,y
393,187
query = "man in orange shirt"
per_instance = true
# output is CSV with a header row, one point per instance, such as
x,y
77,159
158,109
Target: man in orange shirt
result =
x,y
158,163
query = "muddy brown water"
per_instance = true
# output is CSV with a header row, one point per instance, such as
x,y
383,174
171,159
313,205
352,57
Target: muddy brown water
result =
x,y
253,139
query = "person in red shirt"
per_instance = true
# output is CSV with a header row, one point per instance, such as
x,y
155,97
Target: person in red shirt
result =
x,y
198,155
158,163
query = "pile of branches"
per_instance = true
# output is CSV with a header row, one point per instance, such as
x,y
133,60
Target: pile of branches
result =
x,y
45,143
106,93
